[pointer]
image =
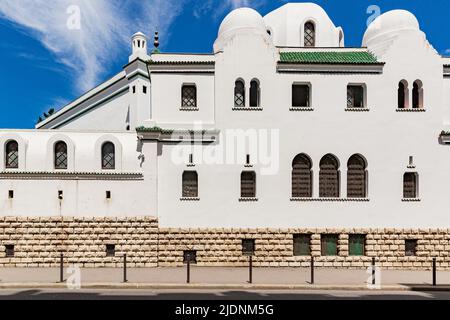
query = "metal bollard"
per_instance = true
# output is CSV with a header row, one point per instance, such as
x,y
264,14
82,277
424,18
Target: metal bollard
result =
x,y
434,272
250,270
61,268
188,280
373,272
125,280
312,270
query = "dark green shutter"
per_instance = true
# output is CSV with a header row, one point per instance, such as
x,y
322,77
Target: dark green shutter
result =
x,y
356,244
329,245
302,245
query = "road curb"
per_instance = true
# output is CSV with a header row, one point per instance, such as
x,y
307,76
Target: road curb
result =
x,y
247,287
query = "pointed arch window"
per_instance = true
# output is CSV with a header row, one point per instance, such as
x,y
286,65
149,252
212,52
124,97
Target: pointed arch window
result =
x,y
255,93
108,156
190,184
60,155
310,34
239,94
12,155
329,177
417,95
410,185
356,177
302,177
403,95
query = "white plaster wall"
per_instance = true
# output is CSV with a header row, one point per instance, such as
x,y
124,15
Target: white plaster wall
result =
x,y
386,138
166,99
34,197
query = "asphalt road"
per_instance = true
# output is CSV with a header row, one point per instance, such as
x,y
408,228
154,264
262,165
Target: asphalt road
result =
x,y
125,294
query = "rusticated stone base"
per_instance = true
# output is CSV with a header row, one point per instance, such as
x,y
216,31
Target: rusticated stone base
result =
x,y
274,248
38,242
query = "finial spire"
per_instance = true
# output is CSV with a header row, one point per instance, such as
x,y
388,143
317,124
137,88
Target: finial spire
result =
x,y
156,42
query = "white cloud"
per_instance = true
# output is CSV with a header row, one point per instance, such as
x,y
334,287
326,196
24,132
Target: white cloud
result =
x,y
216,8
105,29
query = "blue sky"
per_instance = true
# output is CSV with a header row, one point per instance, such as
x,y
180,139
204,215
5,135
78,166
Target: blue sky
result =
x,y
45,63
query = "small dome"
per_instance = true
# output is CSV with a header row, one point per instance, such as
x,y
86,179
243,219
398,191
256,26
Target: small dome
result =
x,y
242,18
239,20
395,21
138,34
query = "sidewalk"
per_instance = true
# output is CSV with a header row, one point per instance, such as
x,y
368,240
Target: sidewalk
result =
x,y
225,278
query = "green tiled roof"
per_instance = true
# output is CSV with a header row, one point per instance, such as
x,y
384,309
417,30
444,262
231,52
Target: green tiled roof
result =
x,y
152,62
329,57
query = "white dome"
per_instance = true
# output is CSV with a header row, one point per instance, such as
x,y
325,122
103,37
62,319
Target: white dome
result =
x,y
395,21
239,20
242,18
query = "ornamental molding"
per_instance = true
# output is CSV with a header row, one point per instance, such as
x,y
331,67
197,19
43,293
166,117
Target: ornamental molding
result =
x,y
55,175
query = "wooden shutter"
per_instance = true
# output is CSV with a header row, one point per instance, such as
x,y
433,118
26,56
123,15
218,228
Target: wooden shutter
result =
x,y
248,184
356,177
329,178
356,244
410,185
302,245
190,184
301,177
329,244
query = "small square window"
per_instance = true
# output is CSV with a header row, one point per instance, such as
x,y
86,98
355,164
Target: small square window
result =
x,y
356,245
410,248
110,250
191,256
302,245
329,244
300,95
11,194
248,247
108,194
60,195
355,96
144,89
9,250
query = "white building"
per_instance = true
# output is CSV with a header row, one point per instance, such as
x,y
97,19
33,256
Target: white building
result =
x,y
338,141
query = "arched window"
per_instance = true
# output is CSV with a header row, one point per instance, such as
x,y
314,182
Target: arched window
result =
x,y
12,155
254,93
329,177
60,155
248,184
302,177
310,34
403,95
356,177
108,156
189,96
239,94
417,95
410,185
190,184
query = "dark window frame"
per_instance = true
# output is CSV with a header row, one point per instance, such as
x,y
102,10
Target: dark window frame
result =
x,y
12,155
301,95
411,247
248,247
328,240
189,96
61,156
356,96
190,184
108,156
353,241
248,184
302,244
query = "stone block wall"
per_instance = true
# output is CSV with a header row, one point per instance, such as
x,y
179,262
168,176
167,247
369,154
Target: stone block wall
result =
x,y
38,242
274,248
